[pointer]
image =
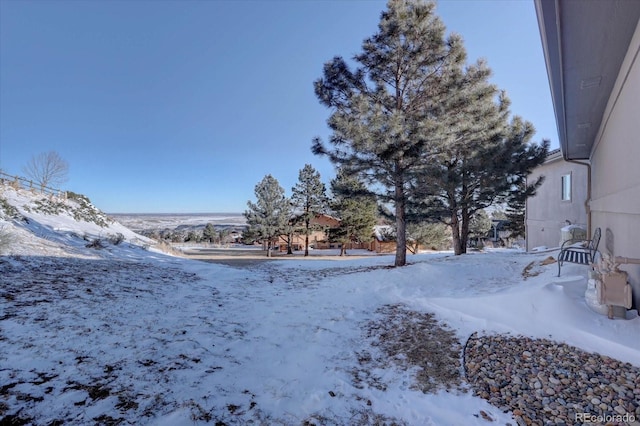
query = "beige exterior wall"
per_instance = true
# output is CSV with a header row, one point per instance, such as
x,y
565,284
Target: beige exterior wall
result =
x,y
546,212
615,200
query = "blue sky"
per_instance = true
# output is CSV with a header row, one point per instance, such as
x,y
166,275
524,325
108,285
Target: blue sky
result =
x,y
184,106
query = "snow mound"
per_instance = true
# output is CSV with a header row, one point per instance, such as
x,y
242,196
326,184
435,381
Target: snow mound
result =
x,y
33,223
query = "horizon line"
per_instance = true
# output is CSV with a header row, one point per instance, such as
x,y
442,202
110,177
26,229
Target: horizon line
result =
x,y
176,213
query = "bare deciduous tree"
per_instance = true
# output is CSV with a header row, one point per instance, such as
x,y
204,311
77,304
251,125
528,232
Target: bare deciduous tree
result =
x,y
47,169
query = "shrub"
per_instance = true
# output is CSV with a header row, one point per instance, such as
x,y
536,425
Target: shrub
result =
x,y
80,208
6,239
116,239
8,210
95,244
166,247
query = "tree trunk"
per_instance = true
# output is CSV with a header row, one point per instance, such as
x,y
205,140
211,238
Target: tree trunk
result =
x,y
401,238
464,230
343,249
306,238
455,234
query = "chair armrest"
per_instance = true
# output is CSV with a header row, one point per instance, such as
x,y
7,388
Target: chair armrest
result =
x,y
572,242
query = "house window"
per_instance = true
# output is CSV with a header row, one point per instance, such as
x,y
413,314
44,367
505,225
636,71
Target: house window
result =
x,y
566,187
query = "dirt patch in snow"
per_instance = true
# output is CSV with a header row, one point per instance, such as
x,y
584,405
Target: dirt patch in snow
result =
x,y
410,341
535,268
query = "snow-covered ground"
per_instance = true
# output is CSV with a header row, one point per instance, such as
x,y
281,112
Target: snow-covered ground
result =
x,y
128,335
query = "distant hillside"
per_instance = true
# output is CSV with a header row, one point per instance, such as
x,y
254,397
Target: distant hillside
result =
x,y
157,221
35,223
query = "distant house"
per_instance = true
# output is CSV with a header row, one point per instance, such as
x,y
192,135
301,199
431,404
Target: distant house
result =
x,y
498,235
592,53
559,201
317,239
383,239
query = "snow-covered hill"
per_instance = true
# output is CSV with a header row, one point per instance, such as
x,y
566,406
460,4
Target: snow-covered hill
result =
x,y
34,223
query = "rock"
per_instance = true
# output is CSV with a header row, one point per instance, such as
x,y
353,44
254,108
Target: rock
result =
x,y
486,416
620,409
520,421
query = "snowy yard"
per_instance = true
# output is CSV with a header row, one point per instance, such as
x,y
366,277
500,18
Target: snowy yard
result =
x,y
136,337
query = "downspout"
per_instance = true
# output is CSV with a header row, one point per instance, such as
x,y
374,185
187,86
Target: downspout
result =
x,y
587,202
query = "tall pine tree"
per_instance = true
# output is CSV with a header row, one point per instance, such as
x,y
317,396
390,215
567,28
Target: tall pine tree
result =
x,y
356,208
478,169
479,154
269,215
385,112
309,198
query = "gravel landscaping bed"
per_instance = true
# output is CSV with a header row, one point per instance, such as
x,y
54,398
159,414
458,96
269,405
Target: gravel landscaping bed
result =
x,y
548,383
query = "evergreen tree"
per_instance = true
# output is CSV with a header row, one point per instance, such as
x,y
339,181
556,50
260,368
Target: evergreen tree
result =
x,y
222,236
435,236
288,232
386,112
516,205
310,199
250,235
209,233
355,206
271,212
482,159
479,225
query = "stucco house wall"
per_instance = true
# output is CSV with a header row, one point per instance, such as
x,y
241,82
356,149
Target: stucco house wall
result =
x,y
615,160
546,212
592,53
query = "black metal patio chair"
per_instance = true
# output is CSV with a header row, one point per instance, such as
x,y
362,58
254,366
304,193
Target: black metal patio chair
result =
x,y
579,251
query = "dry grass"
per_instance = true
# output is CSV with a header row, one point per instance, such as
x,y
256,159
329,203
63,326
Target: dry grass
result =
x,y
412,340
534,268
6,239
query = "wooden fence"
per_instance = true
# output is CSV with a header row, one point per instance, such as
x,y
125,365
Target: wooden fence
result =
x,y
22,183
